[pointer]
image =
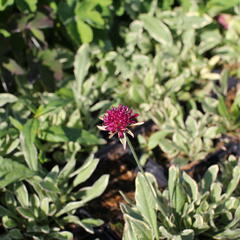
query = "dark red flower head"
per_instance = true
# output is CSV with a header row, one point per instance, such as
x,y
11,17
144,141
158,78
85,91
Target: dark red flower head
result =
x,y
118,119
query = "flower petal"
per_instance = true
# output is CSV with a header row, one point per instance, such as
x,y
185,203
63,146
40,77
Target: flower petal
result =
x,y
136,124
111,134
123,141
130,133
103,128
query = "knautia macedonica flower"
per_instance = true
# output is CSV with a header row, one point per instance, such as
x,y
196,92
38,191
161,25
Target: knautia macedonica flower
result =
x,y
224,20
117,120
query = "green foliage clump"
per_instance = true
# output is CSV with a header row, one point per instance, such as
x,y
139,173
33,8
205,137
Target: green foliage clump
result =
x,y
186,209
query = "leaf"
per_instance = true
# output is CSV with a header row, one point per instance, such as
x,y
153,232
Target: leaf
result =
x,y
146,203
94,191
234,181
8,167
27,6
188,234
13,67
44,205
212,132
156,137
26,213
213,7
49,186
27,138
86,33
8,222
81,66
135,229
87,194
88,139
68,168
85,171
222,108
209,177
192,186
7,98
168,146
4,32
64,235
157,29
5,3
177,194
15,234
228,234
70,207
21,193
88,223
60,134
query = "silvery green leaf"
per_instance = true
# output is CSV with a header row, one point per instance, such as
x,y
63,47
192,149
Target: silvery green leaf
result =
x,y
228,234
69,207
5,212
88,223
85,171
44,205
199,222
135,229
212,132
180,141
172,181
68,168
7,167
64,235
168,147
15,143
188,234
193,20
15,234
177,194
49,186
8,222
209,177
215,192
192,186
7,98
22,194
146,202
156,137
157,29
81,66
234,182
191,125
196,146
52,106
27,138
236,219
89,193
164,232
26,213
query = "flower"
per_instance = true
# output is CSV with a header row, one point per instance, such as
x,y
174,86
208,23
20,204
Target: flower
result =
x,y
117,120
224,20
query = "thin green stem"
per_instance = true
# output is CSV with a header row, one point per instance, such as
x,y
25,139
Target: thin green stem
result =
x,y
139,166
143,173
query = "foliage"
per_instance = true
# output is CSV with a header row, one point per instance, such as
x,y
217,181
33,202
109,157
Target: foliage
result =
x,y
184,140
44,203
63,63
185,210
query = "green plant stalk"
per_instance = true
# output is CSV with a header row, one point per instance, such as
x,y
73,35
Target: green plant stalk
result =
x,y
143,173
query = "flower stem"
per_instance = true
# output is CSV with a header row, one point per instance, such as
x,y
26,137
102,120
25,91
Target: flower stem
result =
x,y
140,167
144,175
